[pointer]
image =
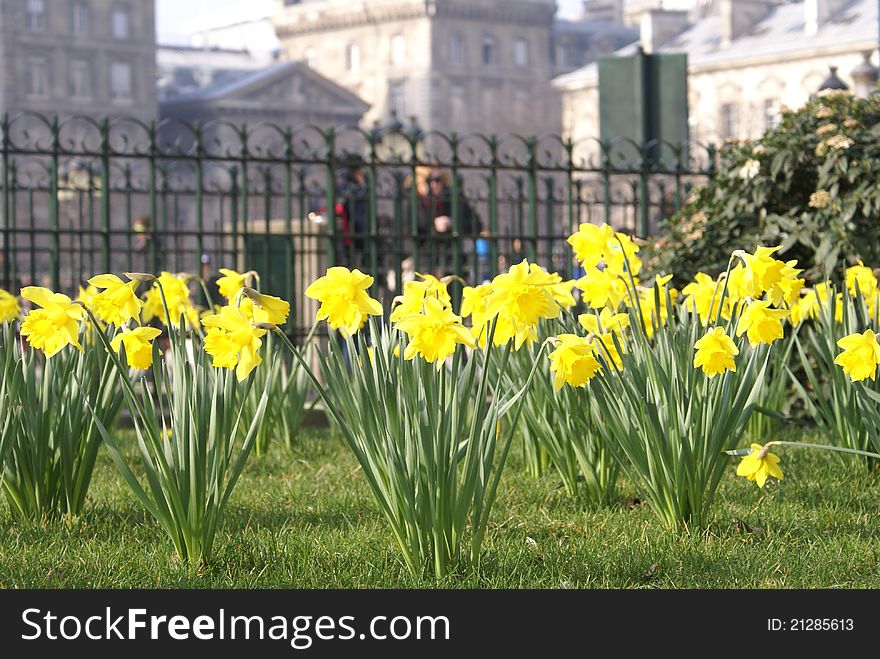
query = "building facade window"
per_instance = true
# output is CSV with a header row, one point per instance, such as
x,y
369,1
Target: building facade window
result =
x,y
119,22
397,98
456,48
398,50
38,77
458,105
352,58
729,121
521,52
80,80
310,57
35,16
488,50
561,56
79,17
120,82
771,113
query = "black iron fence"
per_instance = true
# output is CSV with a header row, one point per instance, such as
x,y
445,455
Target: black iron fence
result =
x,y
82,196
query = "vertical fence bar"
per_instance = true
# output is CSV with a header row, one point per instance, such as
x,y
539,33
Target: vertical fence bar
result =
x,y
154,210
456,216
129,224
644,193
105,195
233,217
570,204
199,201
7,232
493,206
267,226
245,198
54,235
549,233
532,248
13,217
330,194
606,181
289,262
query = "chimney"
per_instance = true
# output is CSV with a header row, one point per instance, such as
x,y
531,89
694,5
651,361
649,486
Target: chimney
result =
x,y
659,26
817,12
739,16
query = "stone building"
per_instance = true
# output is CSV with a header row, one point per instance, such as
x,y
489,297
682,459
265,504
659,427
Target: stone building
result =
x,y
90,57
455,65
237,87
746,60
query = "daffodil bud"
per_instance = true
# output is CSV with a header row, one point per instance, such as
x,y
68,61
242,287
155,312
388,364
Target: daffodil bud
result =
x,y
140,276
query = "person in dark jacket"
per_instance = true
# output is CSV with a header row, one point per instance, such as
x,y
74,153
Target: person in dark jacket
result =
x,y
436,226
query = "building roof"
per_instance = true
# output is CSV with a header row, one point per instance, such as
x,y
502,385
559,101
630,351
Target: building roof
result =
x,y
778,36
192,77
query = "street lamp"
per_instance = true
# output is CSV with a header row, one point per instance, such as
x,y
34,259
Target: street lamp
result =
x,y
833,82
396,142
865,76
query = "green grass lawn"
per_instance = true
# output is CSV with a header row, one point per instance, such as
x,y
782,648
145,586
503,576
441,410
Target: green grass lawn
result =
x,y
306,520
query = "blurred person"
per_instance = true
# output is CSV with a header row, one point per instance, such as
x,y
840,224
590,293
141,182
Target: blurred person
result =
x,y
435,221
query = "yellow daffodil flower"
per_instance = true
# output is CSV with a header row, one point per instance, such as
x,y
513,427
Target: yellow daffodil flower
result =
x,y
233,341
759,465
602,288
177,297
345,303
715,352
703,295
607,321
860,356
435,288
434,333
411,302
789,286
594,244
118,302
520,298
761,323
9,309
573,361
55,324
589,243
230,283
863,276
610,349
138,349
266,309
758,273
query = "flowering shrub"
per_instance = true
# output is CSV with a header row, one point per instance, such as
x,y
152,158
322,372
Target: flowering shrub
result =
x,y
808,184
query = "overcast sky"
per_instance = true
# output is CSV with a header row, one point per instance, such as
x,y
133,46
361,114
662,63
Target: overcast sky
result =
x,y
170,13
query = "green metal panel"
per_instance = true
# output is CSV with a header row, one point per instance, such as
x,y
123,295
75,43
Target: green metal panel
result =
x,y
269,255
643,100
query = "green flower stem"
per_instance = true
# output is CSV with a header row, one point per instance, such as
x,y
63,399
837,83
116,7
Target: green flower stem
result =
x,y
740,452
